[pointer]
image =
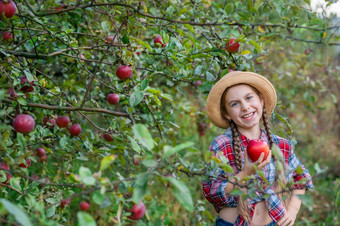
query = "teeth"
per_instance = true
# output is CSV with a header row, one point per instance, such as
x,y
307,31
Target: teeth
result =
x,y
247,116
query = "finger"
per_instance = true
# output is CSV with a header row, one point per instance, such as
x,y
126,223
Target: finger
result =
x,y
269,156
259,160
291,223
281,220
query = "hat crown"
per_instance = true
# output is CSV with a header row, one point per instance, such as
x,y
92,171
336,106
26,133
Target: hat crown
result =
x,y
255,80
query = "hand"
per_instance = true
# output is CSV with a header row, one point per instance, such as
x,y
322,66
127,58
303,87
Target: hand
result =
x,y
288,218
249,166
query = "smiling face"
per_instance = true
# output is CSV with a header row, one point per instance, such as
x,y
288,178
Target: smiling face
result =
x,y
244,106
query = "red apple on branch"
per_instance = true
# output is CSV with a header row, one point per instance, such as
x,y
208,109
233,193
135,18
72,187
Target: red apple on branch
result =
x,y
255,148
108,137
137,211
232,46
7,9
7,36
28,86
113,98
158,41
65,202
23,123
49,122
75,129
41,154
84,206
63,121
23,165
124,72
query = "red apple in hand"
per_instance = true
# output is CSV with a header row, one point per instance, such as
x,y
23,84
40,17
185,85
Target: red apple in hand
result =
x,y
75,129
124,72
113,98
255,148
23,123
232,46
137,211
62,121
7,9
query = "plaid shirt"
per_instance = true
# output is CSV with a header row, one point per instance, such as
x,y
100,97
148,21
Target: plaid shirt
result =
x,y
213,189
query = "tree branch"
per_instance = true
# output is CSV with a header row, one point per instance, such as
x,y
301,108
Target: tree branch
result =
x,y
53,107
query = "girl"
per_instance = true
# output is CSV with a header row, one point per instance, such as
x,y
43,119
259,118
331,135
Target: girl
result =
x,y
238,102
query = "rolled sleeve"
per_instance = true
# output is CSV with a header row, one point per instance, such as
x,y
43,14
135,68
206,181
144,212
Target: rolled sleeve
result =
x,y
214,187
275,207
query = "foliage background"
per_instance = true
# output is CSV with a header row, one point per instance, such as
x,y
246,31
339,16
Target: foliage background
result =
x,y
162,101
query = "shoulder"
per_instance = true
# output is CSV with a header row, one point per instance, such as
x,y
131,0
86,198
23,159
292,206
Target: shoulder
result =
x,y
284,144
222,141
281,142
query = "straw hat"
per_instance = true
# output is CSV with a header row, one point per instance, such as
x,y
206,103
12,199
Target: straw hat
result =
x,y
233,78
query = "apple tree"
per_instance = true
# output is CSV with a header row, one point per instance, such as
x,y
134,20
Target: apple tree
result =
x,y
101,102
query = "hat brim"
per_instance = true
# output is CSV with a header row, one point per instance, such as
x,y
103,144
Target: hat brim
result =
x,y
262,84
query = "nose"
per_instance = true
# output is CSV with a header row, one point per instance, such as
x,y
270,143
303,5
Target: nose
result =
x,y
245,106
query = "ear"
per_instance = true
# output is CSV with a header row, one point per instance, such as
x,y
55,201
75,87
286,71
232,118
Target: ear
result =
x,y
226,115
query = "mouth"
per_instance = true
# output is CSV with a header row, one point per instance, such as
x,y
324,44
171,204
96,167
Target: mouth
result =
x,y
248,116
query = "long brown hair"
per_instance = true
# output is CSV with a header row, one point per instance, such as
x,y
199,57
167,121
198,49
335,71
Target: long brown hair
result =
x,y
243,204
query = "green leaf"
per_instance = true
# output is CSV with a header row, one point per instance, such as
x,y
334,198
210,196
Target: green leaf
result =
x,y
146,45
15,183
190,28
139,190
144,84
136,97
299,170
176,149
86,176
227,168
22,101
125,39
98,197
29,76
150,163
85,219
18,213
134,145
50,211
307,201
2,94
182,193
107,161
228,8
21,140
142,134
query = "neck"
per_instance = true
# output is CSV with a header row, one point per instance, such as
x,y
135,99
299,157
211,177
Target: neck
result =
x,y
253,133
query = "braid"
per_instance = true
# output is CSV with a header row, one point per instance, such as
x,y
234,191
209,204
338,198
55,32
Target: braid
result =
x,y
236,145
267,128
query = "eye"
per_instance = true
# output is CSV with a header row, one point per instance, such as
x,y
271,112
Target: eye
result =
x,y
249,97
234,104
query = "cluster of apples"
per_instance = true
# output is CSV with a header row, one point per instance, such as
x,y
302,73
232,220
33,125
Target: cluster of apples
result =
x,y
7,10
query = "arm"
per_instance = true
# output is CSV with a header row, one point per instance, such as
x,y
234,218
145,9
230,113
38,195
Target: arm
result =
x,y
248,170
292,208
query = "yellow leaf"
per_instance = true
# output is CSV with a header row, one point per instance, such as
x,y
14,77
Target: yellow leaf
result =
x,y
245,52
180,167
260,29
